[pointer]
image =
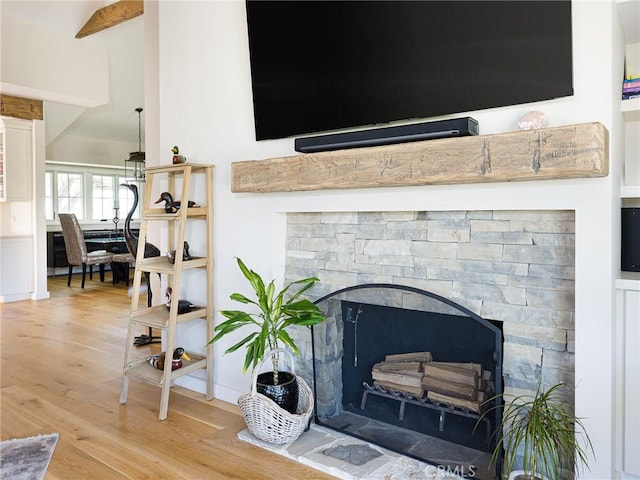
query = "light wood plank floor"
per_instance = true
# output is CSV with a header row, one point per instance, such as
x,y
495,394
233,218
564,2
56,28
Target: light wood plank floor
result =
x,y
61,371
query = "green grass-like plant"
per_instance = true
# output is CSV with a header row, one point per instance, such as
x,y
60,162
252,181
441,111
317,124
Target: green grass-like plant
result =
x,y
541,427
270,323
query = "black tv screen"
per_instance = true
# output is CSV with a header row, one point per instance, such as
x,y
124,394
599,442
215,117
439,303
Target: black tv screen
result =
x,y
318,66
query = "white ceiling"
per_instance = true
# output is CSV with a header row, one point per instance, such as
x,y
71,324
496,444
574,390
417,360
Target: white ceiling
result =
x,y
118,119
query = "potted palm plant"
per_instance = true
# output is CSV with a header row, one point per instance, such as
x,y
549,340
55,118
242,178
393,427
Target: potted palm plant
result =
x,y
541,430
273,314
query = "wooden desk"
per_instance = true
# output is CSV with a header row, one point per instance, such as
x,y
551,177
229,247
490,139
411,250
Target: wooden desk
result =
x,y
57,254
110,244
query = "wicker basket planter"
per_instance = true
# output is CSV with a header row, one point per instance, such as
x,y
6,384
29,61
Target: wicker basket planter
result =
x,y
268,421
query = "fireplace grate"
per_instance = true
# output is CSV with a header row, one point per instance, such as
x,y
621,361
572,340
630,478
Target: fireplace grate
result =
x,y
404,398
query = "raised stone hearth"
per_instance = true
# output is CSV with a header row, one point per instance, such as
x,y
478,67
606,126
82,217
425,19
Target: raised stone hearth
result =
x,y
315,447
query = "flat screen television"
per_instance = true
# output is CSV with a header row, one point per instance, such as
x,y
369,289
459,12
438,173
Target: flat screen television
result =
x,y
319,66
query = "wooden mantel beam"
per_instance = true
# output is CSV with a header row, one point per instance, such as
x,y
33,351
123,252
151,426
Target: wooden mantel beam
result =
x,y
573,151
111,15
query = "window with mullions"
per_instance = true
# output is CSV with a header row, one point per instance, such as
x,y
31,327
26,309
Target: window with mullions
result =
x,y
102,193
91,193
70,194
48,195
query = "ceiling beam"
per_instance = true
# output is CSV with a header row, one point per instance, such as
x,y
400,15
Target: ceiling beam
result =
x,y
111,15
18,107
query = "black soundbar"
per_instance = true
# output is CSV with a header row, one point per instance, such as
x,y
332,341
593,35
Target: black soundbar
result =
x,y
457,127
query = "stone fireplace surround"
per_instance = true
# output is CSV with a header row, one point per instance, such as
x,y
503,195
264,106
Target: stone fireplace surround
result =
x,y
516,267
593,201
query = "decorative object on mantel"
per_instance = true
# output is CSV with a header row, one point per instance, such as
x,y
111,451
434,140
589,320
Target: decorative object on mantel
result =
x,y
177,158
171,205
532,120
541,429
275,315
572,151
157,361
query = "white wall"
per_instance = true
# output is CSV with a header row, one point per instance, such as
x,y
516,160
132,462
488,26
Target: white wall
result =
x,y
77,149
205,107
50,78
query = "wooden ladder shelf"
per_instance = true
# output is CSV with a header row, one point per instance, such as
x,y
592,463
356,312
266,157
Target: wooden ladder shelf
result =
x,y
159,316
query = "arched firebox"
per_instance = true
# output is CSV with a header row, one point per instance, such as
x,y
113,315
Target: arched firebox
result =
x,y
410,371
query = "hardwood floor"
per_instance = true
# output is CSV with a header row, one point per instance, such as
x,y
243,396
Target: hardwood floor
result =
x,y
61,371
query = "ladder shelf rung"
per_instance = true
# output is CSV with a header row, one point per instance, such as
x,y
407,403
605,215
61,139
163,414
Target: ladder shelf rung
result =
x,y
158,316
143,370
177,168
161,214
164,265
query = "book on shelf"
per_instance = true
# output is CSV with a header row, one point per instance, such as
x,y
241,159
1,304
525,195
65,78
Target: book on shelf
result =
x,y
630,87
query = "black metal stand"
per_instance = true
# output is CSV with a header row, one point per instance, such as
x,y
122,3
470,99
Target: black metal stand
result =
x,y
115,220
147,339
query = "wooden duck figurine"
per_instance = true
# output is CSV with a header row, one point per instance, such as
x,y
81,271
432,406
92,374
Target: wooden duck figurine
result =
x,y
157,361
185,254
171,206
184,306
176,157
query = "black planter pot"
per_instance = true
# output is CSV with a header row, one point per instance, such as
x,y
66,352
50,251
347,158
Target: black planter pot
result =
x,y
285,394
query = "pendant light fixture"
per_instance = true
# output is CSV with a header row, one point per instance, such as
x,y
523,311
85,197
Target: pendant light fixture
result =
x,y
134,165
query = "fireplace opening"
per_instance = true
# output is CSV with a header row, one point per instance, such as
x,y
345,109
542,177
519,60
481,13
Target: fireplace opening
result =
x,y
410,371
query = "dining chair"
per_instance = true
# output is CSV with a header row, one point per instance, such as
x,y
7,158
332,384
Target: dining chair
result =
x,y
77,249
120,265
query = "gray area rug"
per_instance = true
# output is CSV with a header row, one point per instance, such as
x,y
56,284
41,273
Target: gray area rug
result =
x,y
26,458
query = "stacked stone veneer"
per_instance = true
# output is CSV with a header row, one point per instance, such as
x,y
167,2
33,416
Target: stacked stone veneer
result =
x,y
516,267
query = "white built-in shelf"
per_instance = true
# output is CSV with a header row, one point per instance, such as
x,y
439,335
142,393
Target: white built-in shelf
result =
x,y
628,281
630,109
630,192
629,12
